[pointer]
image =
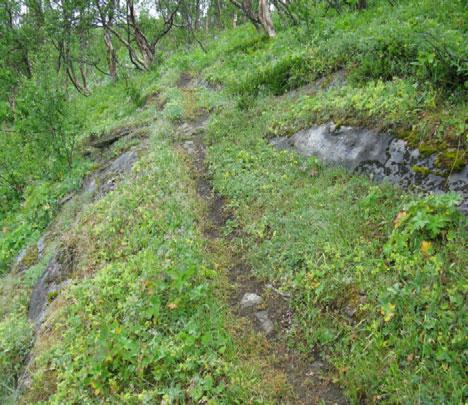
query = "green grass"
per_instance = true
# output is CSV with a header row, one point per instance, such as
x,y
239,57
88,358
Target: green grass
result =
x,y
396,78
328,239
24,224
141,320
144,324
16,333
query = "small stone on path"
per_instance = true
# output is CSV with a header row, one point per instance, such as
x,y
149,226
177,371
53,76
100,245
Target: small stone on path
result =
x,y
265,322
316,368
250,300
189,146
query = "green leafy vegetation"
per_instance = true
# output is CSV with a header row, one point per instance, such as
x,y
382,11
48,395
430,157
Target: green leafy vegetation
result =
x,y
15,342
144,324
329,239
25,224
16,332
375,275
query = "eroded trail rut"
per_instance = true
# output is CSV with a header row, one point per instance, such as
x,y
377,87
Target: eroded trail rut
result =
x,y
266,308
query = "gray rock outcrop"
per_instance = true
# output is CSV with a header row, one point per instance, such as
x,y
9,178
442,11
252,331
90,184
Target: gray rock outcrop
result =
x,y
380,155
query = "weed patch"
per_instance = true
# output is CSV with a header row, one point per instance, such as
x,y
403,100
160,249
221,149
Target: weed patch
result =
x,y
144,325
375,279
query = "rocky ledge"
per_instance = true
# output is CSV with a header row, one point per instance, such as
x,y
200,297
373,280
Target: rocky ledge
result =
x,y
380,155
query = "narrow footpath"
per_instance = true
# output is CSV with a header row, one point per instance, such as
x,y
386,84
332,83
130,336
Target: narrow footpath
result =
x,y
266,308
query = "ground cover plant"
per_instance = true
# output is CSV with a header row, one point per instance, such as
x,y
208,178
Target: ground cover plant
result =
x,y
335,240
375,275
165,338
375,292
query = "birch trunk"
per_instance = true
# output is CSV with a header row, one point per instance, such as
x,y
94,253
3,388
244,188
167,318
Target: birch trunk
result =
x,y
264,15
111,57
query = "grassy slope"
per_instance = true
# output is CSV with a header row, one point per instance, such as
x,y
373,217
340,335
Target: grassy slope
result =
x,y
141,321
320,234
396,80
317,232
144,324
329,238
382,52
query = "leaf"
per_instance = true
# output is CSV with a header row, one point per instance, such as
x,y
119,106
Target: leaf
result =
x,y
426,248
399,218
388,311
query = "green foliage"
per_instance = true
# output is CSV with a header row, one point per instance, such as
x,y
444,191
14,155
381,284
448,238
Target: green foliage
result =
x,y
440,59
47,127
133,91
321,234
410,110
15,342
143,325
422,221
385,57
287,73
173,110
110,102
422,44
428,54
146,326
16,334
38,166
41,202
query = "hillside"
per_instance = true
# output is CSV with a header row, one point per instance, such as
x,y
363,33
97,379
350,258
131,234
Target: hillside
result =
x,y
252,219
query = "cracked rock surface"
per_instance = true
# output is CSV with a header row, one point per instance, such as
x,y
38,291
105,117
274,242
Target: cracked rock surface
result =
x,y
380,155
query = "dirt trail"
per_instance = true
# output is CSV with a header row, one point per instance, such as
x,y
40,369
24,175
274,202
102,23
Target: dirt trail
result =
x,y
272,315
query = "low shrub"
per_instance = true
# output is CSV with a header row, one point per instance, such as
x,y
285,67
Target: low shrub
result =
x,y
423,221
15,342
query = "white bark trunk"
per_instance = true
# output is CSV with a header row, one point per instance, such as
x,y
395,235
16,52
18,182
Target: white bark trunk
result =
x,y
264,16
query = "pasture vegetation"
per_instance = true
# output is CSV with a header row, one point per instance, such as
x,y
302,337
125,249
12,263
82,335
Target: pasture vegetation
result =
x,y
376,275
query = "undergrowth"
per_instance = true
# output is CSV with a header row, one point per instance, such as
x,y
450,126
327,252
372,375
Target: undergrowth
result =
x,y
376,275
381,298
143,325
